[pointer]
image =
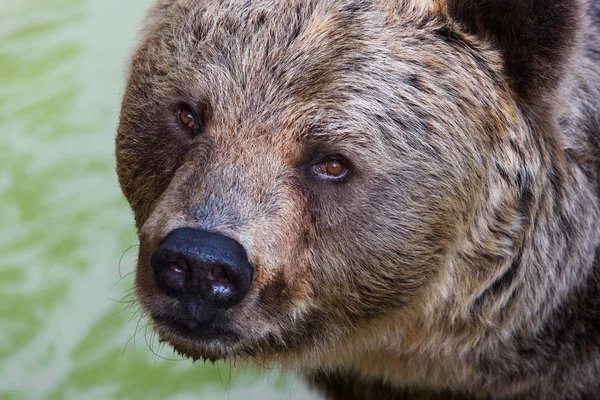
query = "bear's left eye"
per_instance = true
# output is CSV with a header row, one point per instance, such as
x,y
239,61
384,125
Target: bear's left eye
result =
x,y
332,169
186,118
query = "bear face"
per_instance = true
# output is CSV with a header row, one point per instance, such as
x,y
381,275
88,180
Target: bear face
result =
x,y
387,173
409,128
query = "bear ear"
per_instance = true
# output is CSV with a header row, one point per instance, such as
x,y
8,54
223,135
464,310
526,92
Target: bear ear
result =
x,y
538,38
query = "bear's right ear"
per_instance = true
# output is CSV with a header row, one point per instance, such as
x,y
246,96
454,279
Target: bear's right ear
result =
x,y
538,38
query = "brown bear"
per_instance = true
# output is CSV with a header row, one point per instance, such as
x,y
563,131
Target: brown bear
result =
x,y
397,198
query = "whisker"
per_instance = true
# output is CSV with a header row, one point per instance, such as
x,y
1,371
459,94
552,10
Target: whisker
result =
x,y
123,277
220,376
124,300
132,336
119,264
137,312
230,377
156,355
129,306
255,361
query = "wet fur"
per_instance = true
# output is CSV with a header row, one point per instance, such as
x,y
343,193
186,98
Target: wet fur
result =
x,y
460,259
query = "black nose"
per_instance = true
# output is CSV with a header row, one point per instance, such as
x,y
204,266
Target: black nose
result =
x,y
194,264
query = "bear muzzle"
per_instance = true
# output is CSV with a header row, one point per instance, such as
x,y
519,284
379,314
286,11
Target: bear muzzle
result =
x,y
206,273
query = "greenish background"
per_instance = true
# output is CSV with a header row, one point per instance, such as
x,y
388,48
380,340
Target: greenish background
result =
x,y
64,331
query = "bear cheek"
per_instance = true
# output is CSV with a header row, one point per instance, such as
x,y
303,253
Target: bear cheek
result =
x,y
284,286
281,250
275,293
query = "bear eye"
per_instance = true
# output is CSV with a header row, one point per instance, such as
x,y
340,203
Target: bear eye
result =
x,y
332,169
186,118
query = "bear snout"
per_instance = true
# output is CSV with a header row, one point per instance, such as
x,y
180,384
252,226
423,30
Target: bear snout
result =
x,y
206,272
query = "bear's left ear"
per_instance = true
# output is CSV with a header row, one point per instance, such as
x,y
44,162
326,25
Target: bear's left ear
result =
x,y
538,38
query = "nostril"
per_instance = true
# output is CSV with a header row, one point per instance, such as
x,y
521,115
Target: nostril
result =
x,y
171,273
179,266
218,275
220,284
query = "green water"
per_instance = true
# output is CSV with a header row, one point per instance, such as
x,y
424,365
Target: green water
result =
x,y
64,226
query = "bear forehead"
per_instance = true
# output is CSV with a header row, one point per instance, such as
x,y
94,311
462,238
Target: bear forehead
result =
x,y
271,49
282,18
305,67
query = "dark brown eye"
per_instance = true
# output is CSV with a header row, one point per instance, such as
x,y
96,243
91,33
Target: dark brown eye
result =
x,y
332,168
186,118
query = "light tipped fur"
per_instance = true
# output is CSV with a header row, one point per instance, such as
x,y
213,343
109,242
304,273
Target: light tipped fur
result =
x,y
461,257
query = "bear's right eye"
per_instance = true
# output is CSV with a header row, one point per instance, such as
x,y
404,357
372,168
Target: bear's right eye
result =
x,y
187,119
334,168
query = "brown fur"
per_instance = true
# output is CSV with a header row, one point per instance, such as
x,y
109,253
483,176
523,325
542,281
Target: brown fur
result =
x,y
459,258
